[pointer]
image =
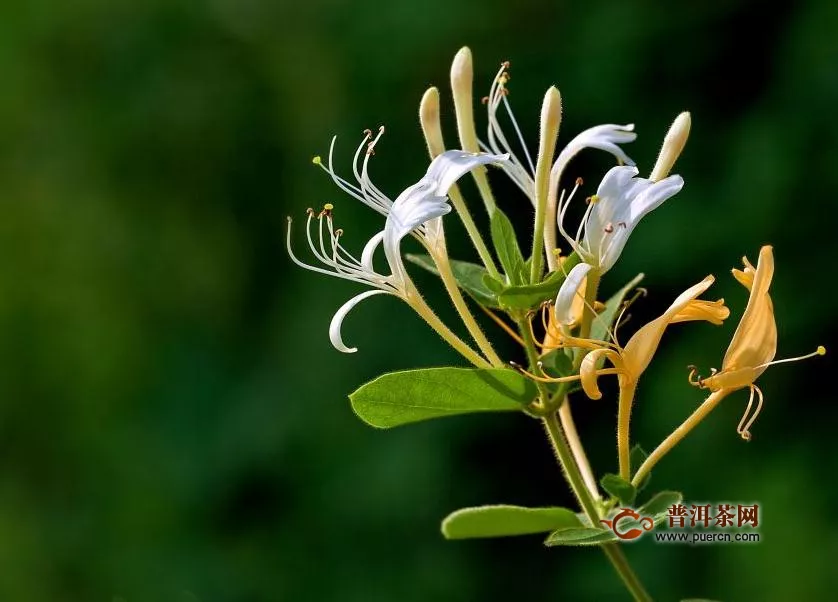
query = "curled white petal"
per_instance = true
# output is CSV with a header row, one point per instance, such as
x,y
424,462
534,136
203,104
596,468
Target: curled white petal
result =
x,y
369,251
452,165
622,201
568,292
340,314
606,137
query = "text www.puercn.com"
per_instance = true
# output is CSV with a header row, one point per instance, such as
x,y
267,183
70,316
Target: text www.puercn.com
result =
x,y
696,537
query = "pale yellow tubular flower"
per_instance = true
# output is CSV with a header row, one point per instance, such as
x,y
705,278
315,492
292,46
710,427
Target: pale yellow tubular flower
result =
x,y
754,343
641,347
751,351
634,358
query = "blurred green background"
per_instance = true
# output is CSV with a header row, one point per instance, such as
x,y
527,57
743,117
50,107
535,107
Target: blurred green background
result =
x,y
174,422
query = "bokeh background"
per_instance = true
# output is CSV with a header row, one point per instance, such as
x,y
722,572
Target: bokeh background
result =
x,y
174,424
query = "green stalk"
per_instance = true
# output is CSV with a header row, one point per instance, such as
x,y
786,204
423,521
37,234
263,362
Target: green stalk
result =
x,y
573,476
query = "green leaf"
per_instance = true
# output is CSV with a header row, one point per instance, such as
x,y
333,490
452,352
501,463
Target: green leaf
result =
x,y
493,284
558,362
636,458
659,504
580,536
502,520
530,296
413,395
605,319
506,246
618,487
587,535
469,277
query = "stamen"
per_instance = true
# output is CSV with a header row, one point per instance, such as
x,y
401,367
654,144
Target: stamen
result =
x,y
821,350
698,382
564,203
544,379
745,431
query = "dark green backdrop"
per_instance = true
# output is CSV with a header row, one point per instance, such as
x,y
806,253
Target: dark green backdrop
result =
x,y
173,421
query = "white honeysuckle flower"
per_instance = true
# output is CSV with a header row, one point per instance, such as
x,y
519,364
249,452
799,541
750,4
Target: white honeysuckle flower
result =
x,y
621,201
411,212
567,307
606,137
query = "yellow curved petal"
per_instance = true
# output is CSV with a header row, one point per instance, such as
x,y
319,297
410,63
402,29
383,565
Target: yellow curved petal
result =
x,y
731,379
588,370
641,347
714,312
755,341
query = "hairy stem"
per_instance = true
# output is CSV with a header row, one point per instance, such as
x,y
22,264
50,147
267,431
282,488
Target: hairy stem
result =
x,y
574,478
627,388
474,234
444,267
424,310
679,433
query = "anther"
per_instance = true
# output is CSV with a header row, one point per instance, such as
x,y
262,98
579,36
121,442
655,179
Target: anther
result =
x,y
338,232
310,212
579,181
622,224
609,228
368,133
316,160
505,64
370,148
485,100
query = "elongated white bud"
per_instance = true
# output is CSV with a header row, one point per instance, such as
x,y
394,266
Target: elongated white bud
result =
x,y
673,145
429,119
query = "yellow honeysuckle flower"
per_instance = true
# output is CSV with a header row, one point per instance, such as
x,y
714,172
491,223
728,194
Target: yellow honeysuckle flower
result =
x,y
754,343
635,357
632,360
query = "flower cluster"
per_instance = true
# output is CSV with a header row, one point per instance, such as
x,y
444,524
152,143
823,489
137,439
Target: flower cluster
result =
x,y
575,342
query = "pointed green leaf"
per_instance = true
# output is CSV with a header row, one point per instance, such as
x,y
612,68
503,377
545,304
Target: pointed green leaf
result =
x,y
605,319
469,277
530,296
506,247
494,285
502,520
656,508
580,536
618,487
636,458
660,503
413,395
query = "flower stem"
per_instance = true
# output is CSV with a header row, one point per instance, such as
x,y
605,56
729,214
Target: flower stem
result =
x,y
574,477
679,433
627,388
566,420
450,282
424,310
474,234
